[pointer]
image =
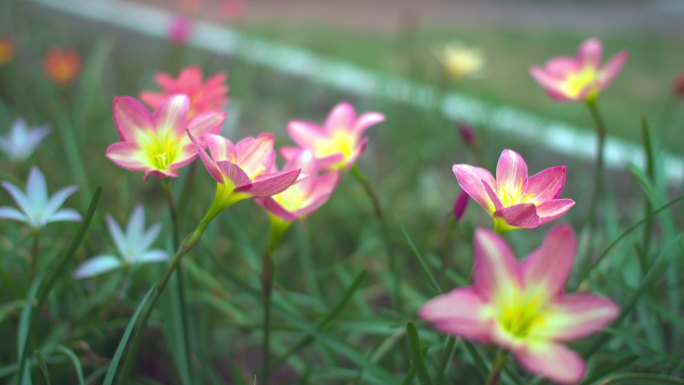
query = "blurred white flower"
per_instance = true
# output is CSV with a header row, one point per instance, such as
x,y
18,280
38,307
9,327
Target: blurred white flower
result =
x,y
22,140
460,61
36,208
132,246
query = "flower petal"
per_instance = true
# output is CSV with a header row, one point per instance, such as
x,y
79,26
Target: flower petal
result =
x,y
523,215
206,123
152,256
19,197
589,53
136,225
36,188
152,99
130,117
255,155
305,134
149,237
366,120
234,173
209,163
473,180
172,115
546,185
575,316
496,274
12,213
551,210
461,312
97,265
547,268
128,156
65,215
271,184
545,79
276,209
341,117
120,240
57,200
511,171
612,68
553,361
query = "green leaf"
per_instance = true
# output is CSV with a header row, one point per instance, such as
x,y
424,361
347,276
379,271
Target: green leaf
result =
x,y
415,351
643,379
42,366
74,361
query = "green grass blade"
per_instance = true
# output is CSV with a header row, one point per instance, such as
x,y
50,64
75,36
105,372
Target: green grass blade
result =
x,y
74,361
40,360
421,261
416,354
643,379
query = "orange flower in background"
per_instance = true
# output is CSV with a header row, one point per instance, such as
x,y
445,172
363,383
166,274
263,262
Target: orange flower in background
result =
x,y
205,95
62,65
679,85
7,50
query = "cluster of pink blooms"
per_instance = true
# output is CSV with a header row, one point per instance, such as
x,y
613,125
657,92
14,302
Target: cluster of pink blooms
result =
x,y
520,306
186,123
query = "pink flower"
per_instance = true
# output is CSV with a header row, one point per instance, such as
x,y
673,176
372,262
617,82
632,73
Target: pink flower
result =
x,y
209,96
158,144
243,170
339,142
180,30
460,205
522,306
512,199
305,195
579,78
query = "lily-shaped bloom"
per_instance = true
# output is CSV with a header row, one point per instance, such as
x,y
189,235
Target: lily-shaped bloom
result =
x,y
460,61
304,196
243,170
579,78
157,144
133,246
36,208
62,65
339,142
522,306
20,143
513,199
205,96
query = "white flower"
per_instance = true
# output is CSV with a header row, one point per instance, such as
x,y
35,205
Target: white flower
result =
x,y
36,208
22,140
132,246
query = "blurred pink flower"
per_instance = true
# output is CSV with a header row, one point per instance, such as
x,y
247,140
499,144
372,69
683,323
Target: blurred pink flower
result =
x,y
460,205
180,30
579,78
245,169
205,96
679,85
304,196
158,144
339,142
522,307
513,199
230,10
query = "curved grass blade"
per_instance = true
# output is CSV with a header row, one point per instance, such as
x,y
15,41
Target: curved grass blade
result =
x,y
421,261
74,361
416,354
113,366
643,379
40,360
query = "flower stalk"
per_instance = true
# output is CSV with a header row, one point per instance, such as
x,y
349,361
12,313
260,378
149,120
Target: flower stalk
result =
x,y
498,365
598,172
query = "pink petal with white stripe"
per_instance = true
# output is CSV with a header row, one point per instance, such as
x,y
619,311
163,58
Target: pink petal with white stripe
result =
x,y
473,180
233,172
553,361
575,316
554,209
128,156
511,170
612,68
305,134
366,120
547,268
589,53
523,215
270,185
172,115
209,162
207,123
255,155
460,312
130,117
341,117
496,274
547,184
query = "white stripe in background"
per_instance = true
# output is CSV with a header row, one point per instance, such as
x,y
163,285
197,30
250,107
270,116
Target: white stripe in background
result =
x,y
556,136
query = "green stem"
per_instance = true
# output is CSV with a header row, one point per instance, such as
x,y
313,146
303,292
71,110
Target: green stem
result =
x,y
278,228
598,172
384,232
180,276
34,252
495,372
190,241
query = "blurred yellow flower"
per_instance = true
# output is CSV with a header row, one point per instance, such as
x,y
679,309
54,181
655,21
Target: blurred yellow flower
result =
x,y
460,61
